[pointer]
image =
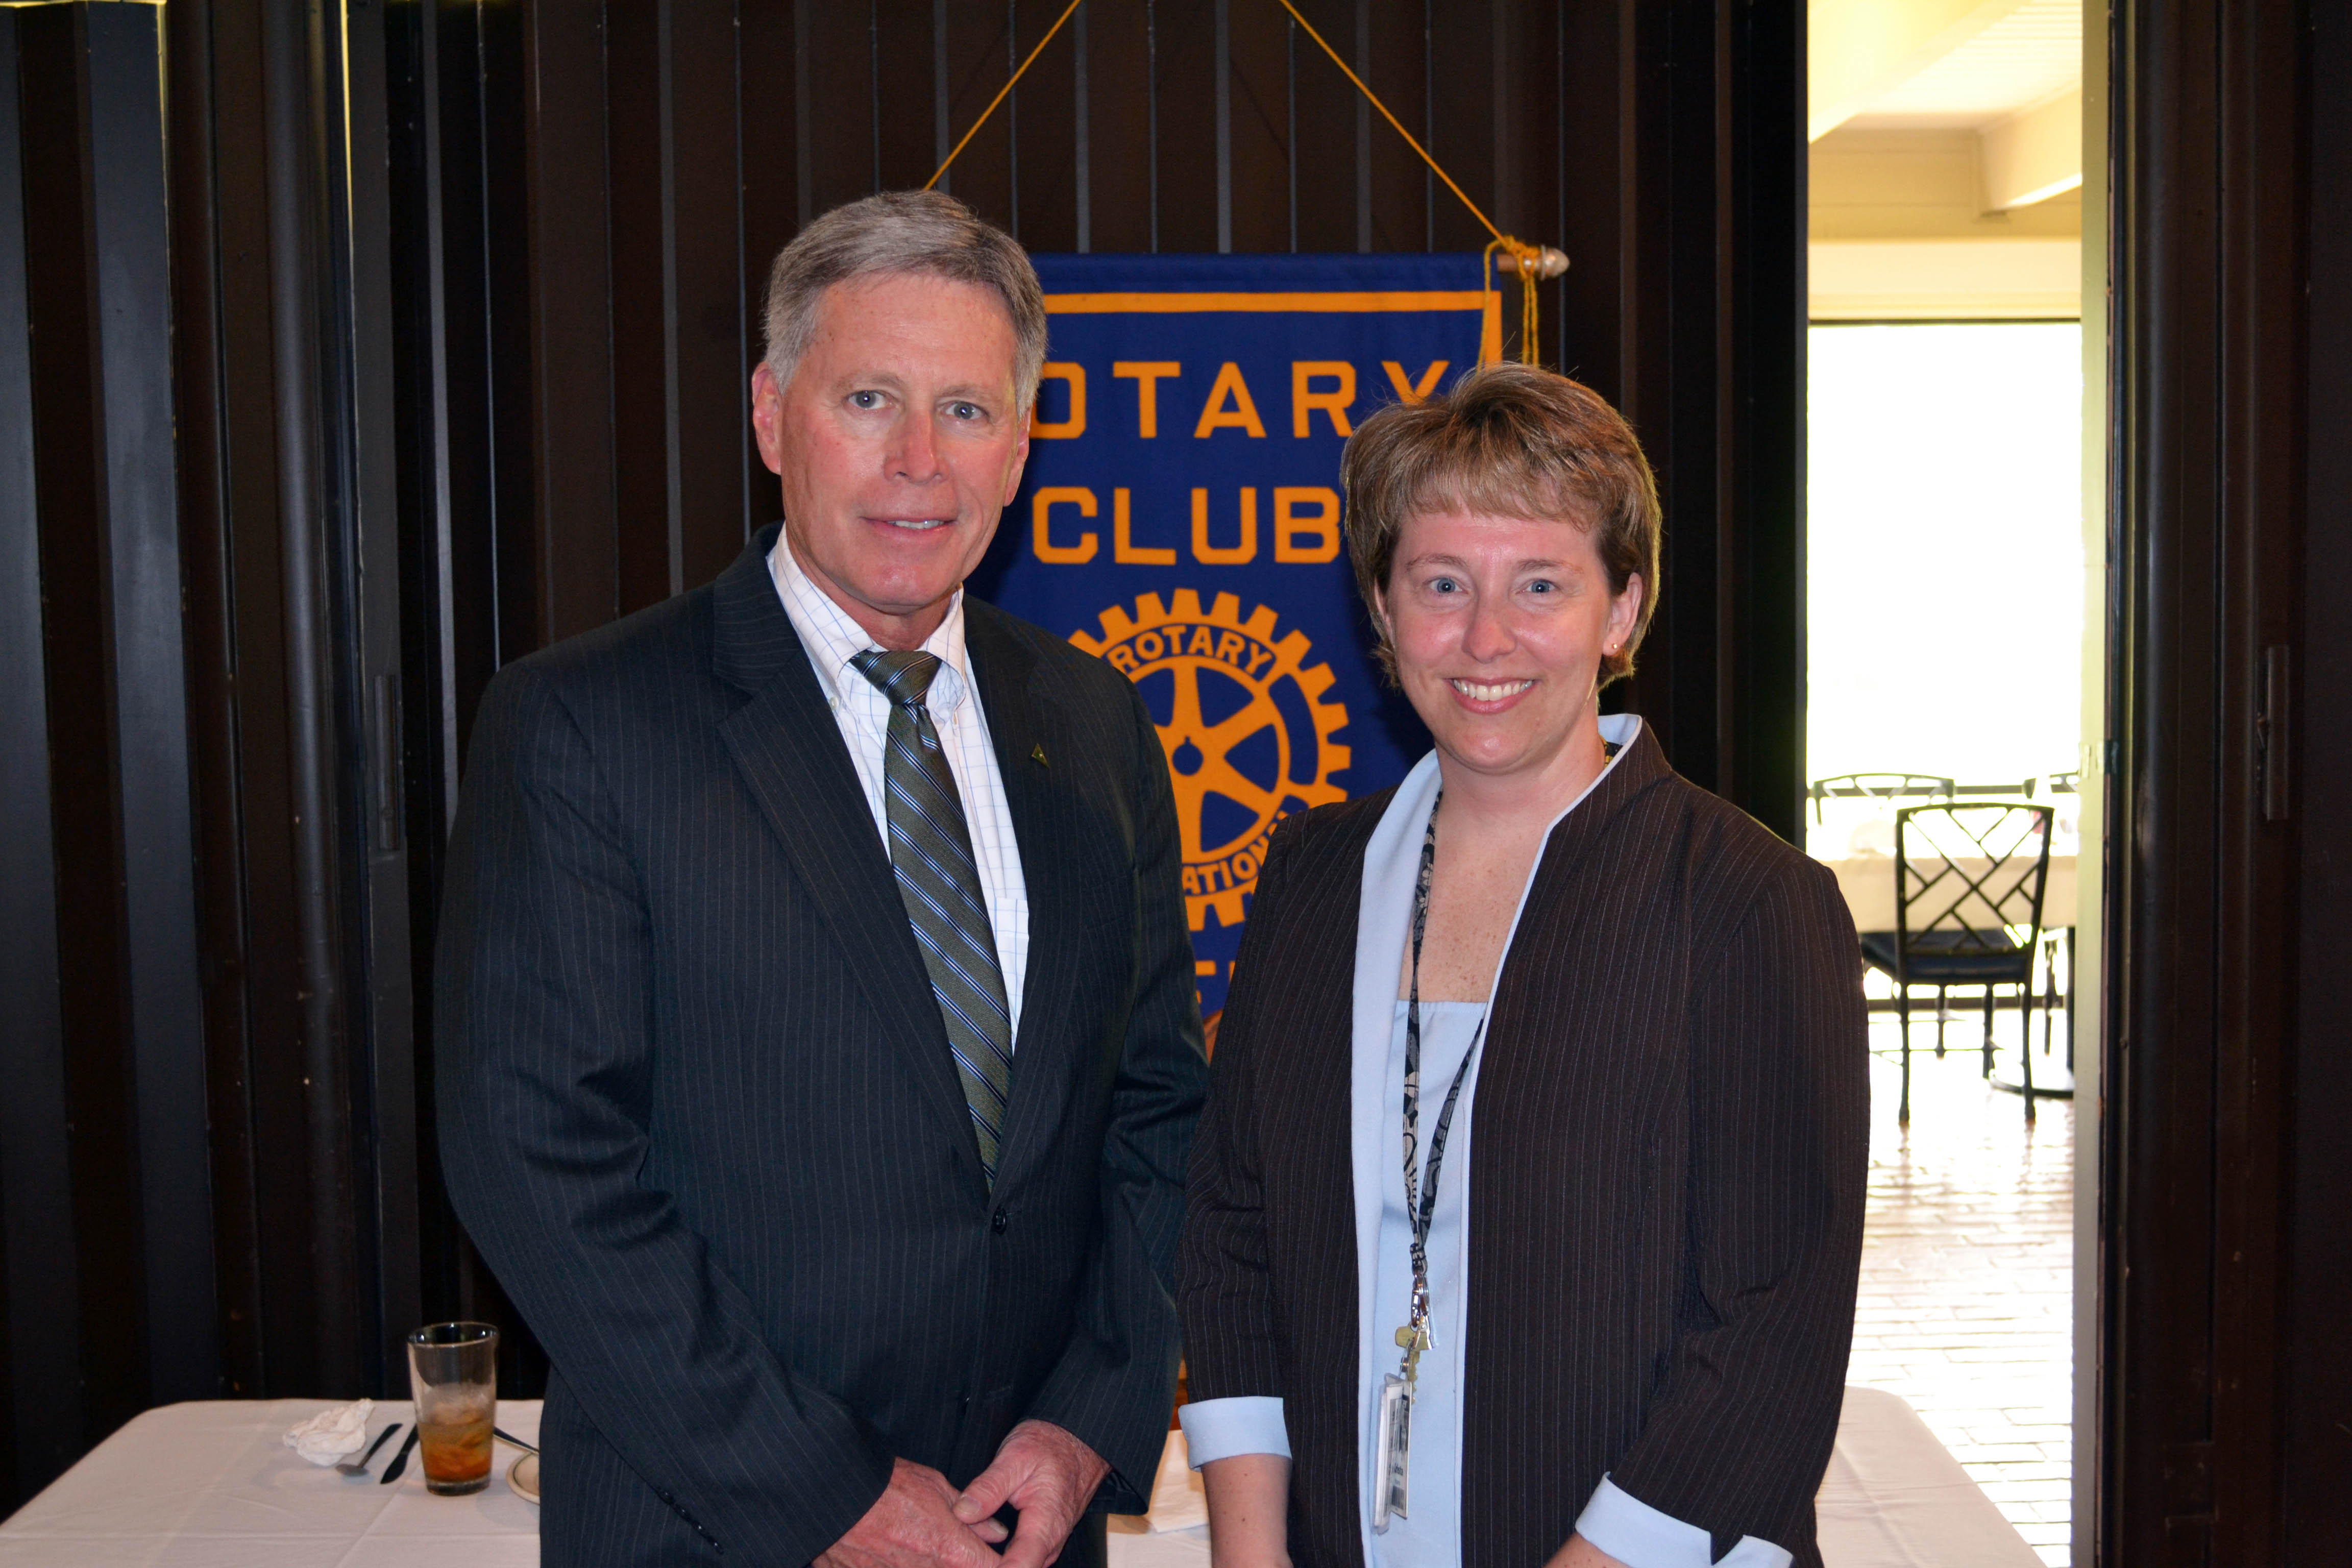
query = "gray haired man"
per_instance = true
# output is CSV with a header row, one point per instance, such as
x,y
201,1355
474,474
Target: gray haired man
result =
x,y
818,1051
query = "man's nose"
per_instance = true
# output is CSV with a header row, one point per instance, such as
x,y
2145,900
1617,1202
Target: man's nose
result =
x,y
914,454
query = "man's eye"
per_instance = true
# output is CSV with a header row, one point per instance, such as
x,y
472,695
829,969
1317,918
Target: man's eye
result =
x,y
963,411
866,400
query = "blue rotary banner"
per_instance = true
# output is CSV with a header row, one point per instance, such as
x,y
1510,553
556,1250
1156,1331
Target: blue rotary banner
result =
x,y
1181,517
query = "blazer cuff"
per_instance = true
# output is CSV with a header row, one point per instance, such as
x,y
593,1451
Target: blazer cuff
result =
x,y
1639,1536
1223,1428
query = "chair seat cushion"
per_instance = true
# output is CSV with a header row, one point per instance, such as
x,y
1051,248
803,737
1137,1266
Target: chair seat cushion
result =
x,y
1949,958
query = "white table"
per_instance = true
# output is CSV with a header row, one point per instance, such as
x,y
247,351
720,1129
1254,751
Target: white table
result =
x,y
1867,881
208,1485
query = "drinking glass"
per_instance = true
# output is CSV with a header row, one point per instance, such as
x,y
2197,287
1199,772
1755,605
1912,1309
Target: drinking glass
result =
x,y
453,1369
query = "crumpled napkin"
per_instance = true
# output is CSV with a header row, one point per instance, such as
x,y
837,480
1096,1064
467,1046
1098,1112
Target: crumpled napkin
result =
x,y
334,1434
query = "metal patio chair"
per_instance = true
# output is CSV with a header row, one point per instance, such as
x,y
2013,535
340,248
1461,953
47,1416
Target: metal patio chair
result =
x,y
1878,787
1969,877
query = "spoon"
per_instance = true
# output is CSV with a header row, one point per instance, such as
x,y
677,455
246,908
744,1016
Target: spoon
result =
x,y
359,1467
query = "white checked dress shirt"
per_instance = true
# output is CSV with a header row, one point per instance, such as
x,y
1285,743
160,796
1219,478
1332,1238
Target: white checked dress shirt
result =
x,y
833,639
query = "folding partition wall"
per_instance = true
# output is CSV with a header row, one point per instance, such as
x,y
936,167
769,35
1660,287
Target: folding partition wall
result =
x,y
349,350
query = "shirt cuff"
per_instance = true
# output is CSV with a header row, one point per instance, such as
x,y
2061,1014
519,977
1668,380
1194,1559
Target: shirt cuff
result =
x,y
1639,1536
1223,1428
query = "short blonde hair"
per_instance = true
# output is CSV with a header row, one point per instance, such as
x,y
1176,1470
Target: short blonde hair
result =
x,y
927,232
1509,440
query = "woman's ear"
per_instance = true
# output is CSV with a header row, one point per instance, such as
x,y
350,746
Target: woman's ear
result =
x,y
1625,612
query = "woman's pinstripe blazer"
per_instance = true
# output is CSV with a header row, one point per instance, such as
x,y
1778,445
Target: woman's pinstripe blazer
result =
x,y
1666,1197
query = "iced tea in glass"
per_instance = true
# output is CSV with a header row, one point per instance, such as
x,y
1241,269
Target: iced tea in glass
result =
x,y
453,1369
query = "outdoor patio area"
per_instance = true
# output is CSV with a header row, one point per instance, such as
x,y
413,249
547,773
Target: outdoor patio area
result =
x,y
1968,1271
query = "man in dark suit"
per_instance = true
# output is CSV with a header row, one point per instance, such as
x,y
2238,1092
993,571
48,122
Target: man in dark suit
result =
x,y
818,1051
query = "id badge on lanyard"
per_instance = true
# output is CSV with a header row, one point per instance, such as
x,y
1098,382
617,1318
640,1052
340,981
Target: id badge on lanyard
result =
x,y
1391,1496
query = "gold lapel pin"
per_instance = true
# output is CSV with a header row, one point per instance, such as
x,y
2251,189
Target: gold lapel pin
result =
x,y
1037,755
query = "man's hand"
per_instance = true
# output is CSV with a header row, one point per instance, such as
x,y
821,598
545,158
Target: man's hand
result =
x,y
1045,1473
1582,1554
913,1524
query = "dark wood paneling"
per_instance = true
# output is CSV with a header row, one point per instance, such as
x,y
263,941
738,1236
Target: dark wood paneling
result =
x,y
636,155
1187,35
2207,446
143,582
2317,1447
1041,112
903,65
837,117
711,397
573,265
1118,122
1759,504
300,109
70,466
1257,125
236,693
41,1394
1327,126
771,198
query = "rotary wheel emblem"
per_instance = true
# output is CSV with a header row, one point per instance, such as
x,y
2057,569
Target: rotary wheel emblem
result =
x,y
1218,686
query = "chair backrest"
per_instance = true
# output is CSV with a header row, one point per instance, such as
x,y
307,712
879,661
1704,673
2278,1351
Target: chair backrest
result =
x,y
1967,871
1878,787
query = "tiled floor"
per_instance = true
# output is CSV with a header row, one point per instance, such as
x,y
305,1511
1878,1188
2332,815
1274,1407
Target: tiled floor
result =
x,y
1968,1273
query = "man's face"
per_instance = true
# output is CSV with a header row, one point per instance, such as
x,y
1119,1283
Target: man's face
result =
x,y
898,443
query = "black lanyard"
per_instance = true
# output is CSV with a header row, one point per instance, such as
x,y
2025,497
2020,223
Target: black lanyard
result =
x,y
1421,1207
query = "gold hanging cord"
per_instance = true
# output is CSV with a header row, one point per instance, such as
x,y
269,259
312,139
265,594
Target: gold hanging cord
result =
x,y
1531,262
1005,90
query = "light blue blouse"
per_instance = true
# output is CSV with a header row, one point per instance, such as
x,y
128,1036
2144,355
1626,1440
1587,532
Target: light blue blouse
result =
x,y
1429,1536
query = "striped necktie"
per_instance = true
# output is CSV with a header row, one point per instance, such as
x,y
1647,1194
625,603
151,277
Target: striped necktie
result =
x,y
939,882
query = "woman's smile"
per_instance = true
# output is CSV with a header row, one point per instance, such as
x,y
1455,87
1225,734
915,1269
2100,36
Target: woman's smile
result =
x,y
1488,696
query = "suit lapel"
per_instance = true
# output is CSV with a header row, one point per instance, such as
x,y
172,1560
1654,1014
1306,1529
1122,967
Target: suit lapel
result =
x,y
1022,727
788,750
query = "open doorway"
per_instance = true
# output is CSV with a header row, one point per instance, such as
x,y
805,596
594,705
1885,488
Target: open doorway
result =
x,y
1952,756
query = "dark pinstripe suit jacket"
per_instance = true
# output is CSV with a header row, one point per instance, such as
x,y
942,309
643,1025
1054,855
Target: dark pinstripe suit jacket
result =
x,y
1665,1197
699,1111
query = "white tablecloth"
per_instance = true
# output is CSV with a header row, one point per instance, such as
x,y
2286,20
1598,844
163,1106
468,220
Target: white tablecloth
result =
x,y
208,1485
1868,883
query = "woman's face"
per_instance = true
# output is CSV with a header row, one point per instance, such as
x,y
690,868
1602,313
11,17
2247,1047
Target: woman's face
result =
x,y
1499,624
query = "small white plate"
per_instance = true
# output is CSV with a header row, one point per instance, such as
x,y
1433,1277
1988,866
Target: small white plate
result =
x,y
522,1476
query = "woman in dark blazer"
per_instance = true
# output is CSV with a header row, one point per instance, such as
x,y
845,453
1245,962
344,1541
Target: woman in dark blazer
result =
x,y
1525,1219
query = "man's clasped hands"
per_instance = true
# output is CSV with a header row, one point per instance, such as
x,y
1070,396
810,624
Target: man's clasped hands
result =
x,y
1040,1470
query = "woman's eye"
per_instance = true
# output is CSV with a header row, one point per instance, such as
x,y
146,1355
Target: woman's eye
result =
x,y
1543,585
1443,585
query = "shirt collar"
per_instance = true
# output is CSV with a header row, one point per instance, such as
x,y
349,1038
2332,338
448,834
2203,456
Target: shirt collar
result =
x,y
833,639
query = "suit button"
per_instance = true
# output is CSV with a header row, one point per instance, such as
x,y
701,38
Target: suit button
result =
x,y
998,1221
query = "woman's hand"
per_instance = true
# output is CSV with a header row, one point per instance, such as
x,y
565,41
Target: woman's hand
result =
x,y
1249,1510
1582,1554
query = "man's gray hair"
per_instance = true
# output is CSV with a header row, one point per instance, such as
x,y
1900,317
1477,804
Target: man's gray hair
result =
x,y
927,232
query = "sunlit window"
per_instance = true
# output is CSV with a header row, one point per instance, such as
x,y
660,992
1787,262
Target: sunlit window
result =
x,y
1945,555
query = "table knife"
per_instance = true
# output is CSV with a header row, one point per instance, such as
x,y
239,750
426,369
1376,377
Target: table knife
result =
x,y
399,1460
